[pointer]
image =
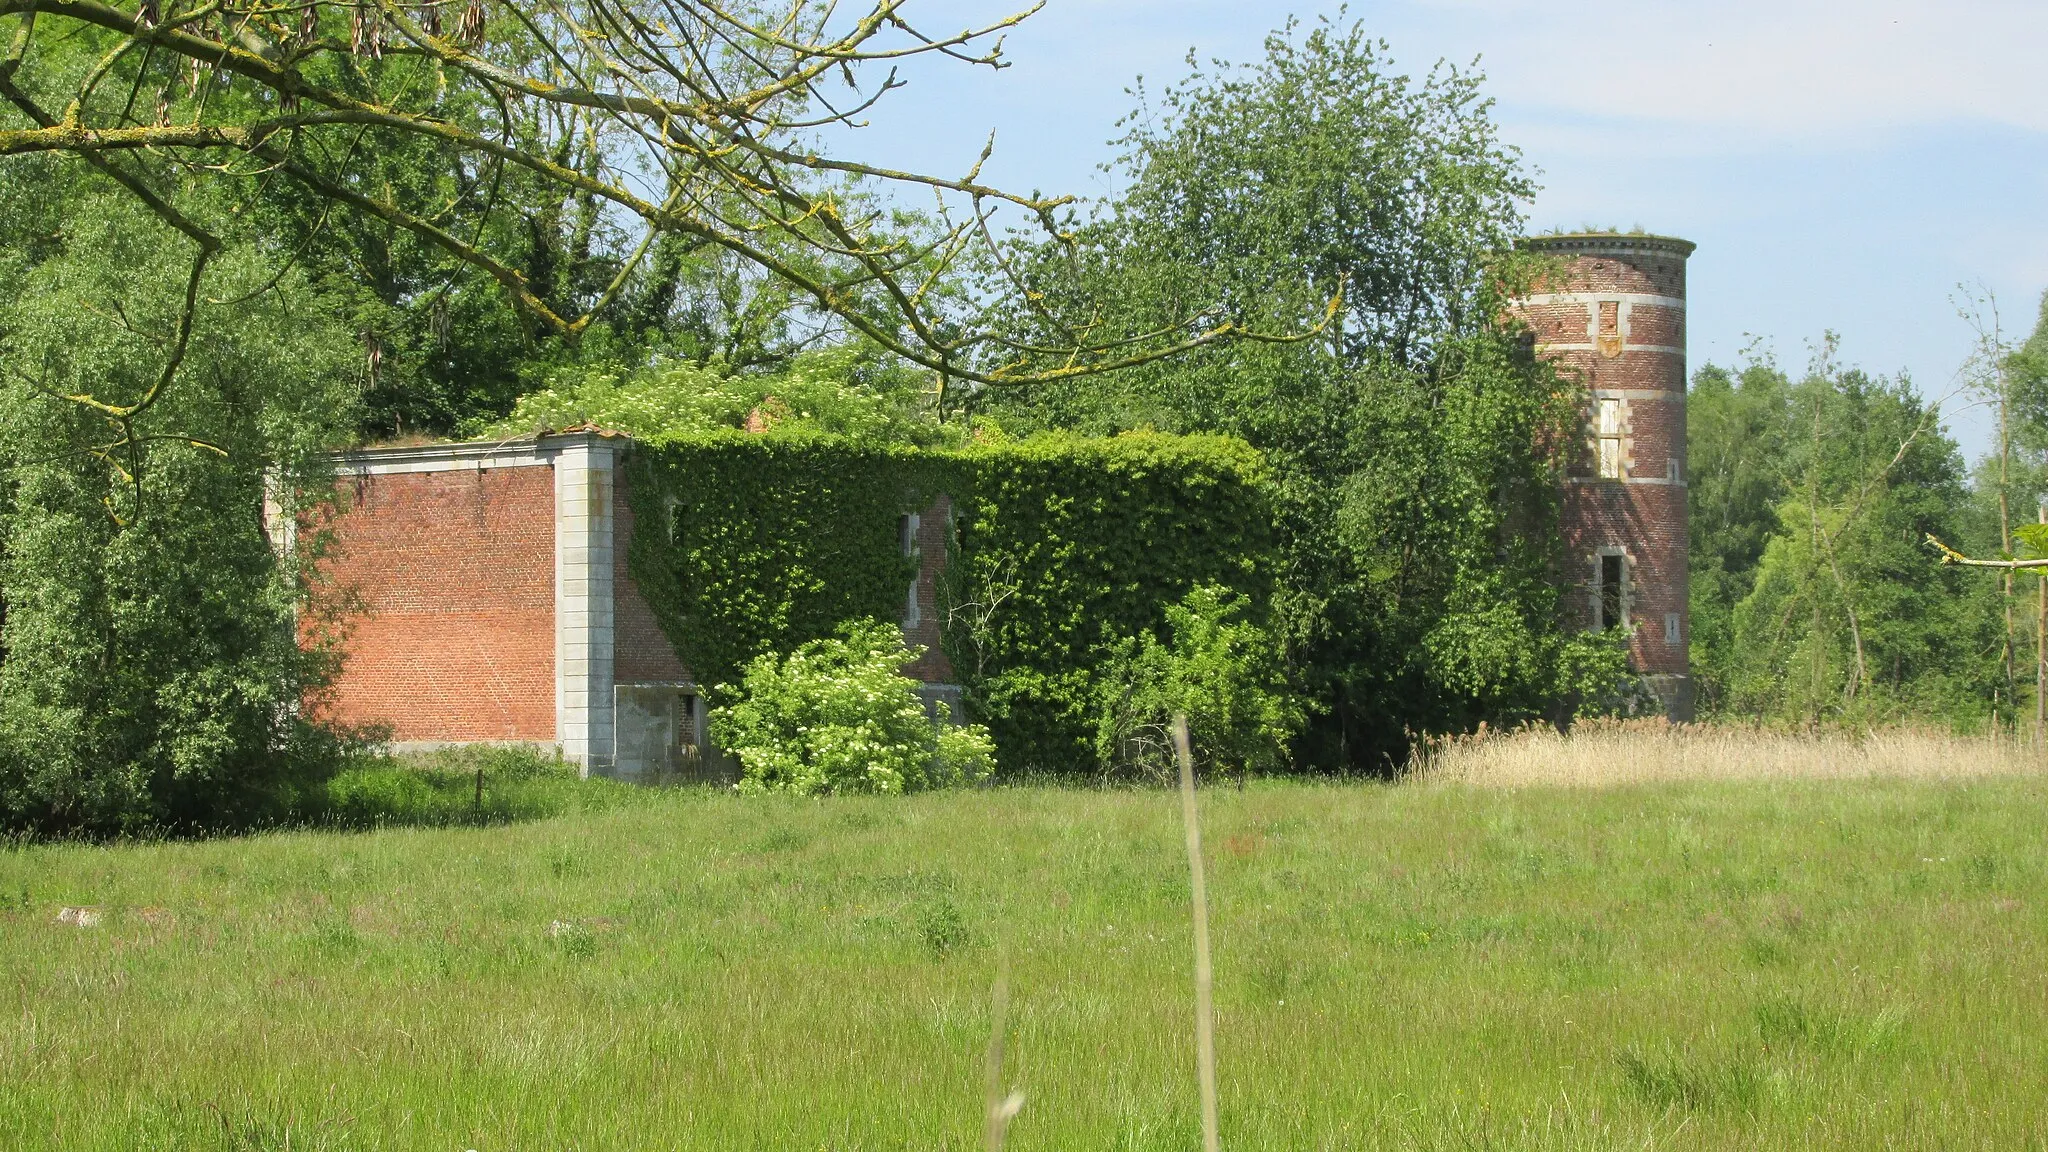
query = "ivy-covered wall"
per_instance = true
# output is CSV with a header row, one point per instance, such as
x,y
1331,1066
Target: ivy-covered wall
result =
x,y
1061,545
746,544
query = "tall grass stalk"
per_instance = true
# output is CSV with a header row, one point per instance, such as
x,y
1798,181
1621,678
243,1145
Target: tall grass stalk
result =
x,y
1205,1009
1000,1107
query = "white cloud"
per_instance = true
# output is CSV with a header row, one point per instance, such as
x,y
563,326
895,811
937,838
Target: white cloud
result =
x,y
1756,71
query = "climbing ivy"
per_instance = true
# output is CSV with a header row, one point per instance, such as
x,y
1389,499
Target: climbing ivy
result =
x,y
747,544
1065,546
1062,547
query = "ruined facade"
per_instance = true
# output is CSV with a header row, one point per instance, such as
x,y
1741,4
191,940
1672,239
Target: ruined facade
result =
x,y
486,599
1613,314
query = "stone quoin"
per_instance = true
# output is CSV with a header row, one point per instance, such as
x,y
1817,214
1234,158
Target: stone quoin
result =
x,y
1612,313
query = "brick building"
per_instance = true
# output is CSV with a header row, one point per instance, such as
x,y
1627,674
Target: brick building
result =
x,y
488,601
1614,314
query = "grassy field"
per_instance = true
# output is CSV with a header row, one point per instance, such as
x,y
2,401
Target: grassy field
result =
x,y
1773,963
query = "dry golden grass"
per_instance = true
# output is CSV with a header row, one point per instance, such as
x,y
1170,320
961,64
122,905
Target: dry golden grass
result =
x,y
1641,751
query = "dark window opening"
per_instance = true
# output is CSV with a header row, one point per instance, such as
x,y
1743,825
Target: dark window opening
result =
x,y
686,726
907,527
1612,572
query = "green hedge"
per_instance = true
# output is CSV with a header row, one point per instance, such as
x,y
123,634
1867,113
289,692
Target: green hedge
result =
x,y
1079,542
754,543
745,544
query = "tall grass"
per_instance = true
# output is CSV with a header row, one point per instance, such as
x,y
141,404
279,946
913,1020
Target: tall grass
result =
x,y
457,786
1601,754
1724,964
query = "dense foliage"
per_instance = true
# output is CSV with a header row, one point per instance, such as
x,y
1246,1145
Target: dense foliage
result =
x,y
1814,594
1067,547
748,545
494,186
837,715
847,391
151,675
1416,589
1063,548
196,319
1219,670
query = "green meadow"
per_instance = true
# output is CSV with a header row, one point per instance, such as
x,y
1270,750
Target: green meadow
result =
x,y
1768,964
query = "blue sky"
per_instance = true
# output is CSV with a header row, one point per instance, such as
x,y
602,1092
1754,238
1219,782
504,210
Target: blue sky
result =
x,y
1842,166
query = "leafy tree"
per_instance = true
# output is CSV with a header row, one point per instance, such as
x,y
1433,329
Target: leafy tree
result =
x,y
1737,425
578,159
2007,486
1321,187
2029,370
1845,618
151,674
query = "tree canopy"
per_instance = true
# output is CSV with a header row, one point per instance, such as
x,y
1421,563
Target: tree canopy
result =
x,y
623,122
1419,502
1814,595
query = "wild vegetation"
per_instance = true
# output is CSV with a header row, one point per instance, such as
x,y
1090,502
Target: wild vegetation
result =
x,y
1416,507
1251,443
1713,964
1603,754
246,234
838,715
1310,253
1816,596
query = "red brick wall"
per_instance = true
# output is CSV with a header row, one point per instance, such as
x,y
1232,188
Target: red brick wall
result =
x,y
1650,523
452,577
641,652
1645,514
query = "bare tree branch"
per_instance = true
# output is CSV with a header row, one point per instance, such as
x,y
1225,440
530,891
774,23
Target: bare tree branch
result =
x,y
698,118
1951,556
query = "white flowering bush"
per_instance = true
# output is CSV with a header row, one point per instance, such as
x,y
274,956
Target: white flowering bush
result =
x,y
837,715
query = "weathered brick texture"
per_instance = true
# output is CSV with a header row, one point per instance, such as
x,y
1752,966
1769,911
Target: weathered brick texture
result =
x,y
448,578
1614,316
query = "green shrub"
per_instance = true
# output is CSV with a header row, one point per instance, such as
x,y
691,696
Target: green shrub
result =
x,y
1220,669
848,391
837,715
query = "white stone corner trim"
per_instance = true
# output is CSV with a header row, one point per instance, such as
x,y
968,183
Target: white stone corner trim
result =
x,y
585,471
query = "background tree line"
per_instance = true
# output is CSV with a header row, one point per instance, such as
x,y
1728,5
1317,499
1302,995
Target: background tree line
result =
x,y
1816,597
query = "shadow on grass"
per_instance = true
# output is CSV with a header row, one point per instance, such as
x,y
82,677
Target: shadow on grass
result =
x,y
1685,1082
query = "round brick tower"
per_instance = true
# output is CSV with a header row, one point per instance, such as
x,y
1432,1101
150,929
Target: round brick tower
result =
x,y
1613,314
